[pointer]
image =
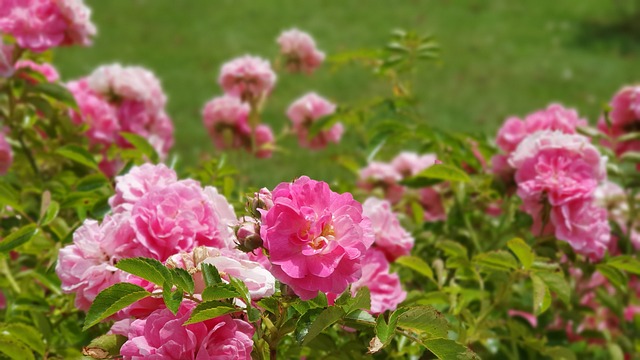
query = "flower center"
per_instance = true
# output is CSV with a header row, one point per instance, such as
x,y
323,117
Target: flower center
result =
x,y
327,235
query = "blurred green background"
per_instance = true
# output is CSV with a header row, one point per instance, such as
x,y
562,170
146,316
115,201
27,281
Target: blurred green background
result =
x,y
500,58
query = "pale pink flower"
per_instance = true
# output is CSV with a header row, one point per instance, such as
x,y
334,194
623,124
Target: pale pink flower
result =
x,y
386,290
6,155
432,205
38,25
381,175
390,236
410,164
304,112
93,110
300,52
139,181
162,335
264,199
226,120
248,77
583,225
49,72
264,141
87,266
315,237
625,118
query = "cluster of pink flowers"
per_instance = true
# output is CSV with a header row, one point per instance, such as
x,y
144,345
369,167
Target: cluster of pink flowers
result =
x,y
6,155
299,51
38,25
386,177
115,99
555,117
625,119
307,110
557,175
178,222
249,78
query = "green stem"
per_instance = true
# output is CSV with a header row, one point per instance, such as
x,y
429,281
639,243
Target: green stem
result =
x,y
4,269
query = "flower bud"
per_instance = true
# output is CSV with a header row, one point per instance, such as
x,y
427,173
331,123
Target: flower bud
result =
x,y
248,234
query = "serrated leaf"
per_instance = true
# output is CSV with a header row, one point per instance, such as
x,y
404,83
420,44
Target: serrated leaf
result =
x,y
416,264
626,263
541,295
219,292
172,299
497,260
424,319
105,346
446,349
142,145
19,237
79,155
558,284
112,300
270,304
436,173
326,318
208,310
210,274
148,269
241,287
362,300
26,334
50,213
522,251
183,279
304,323
385,331
14,349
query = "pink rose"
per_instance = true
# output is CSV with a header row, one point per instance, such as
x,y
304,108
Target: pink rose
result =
x,y
511,134
432,205
248,77
38,25
384,176
6,59
137,182
390,236
625,118
49,72
386,290
410,164
264,141
315,237
162,335
307,110
300,52
87,266
226,120
583,225
6,155
96,112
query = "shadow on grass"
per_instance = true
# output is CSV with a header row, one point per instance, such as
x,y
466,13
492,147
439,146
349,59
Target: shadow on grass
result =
x,y
620,33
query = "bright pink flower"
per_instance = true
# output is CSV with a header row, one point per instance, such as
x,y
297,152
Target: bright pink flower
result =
x,y
563,171
307,110
315,237
386,290
87,266
631,311
384,176
178,217
38,25
529,317
162,335
96,112
226,120
511,134
248,77
390,236
625,118
300,52
6,155
410,164
264,141
49,72
139,181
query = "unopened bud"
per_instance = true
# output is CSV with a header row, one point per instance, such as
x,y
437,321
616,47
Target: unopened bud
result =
x,y
248,234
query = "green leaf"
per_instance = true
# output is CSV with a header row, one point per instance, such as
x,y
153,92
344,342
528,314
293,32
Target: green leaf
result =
x,y
183,279
541,295
497,260
626,263
208,310
327,317
26,334
436,173
105,346
632,156
557,283
210,274
416,264
9,196
112,300
79,155
522,251
91,182
57,92
19,237
148,269
559,353
452,248
362,300
142,145
424,319
172,299
241,287
50,214
219,292
14,349
617,277
446,349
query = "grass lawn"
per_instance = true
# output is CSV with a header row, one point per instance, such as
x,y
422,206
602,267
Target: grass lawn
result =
x,y
500,57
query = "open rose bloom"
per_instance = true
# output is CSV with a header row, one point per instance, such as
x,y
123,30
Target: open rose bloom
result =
x,y
625,119
307,110
299,51
248,78
38,25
